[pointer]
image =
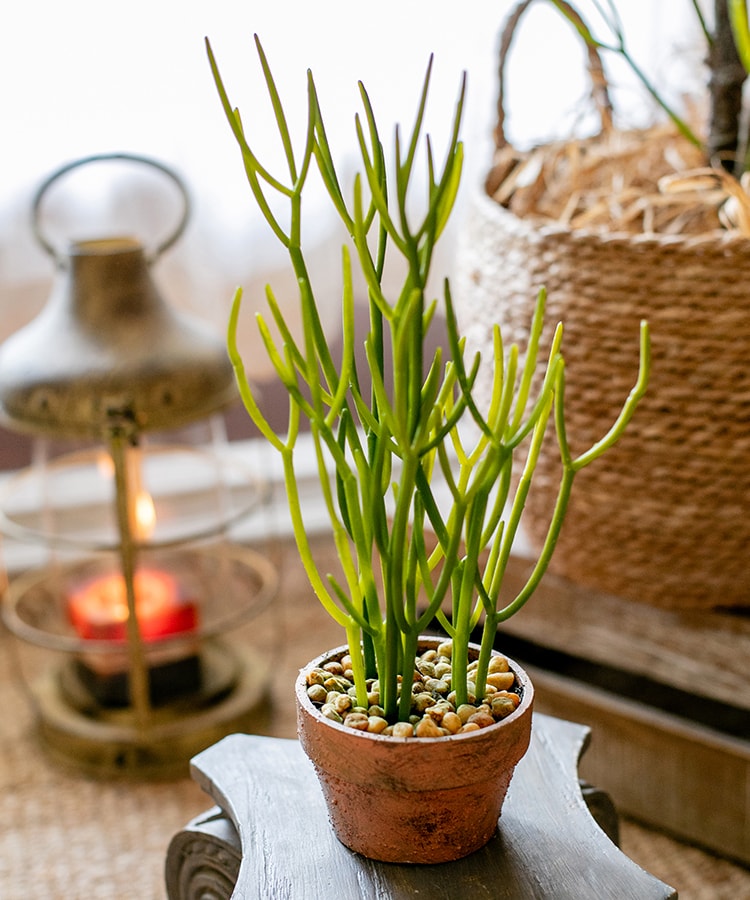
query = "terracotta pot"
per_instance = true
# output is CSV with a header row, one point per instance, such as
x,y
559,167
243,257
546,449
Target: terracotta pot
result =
x,y
413,800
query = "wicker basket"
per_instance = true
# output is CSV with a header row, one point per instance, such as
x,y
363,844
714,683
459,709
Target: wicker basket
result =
x,y
664,517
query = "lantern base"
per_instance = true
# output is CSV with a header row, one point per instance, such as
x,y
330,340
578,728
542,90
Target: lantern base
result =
x,y
108,743
169,681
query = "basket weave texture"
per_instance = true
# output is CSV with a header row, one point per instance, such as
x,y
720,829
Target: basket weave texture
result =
x,y
664,516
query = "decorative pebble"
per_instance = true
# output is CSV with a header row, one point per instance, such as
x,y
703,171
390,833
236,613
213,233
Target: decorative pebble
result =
x,y
425,667
482,719
317,693
403,729
502,707
422,701
443,670
465,710
376,724
335,668
428,727
498,664
501,680
451,722
330,713
359,721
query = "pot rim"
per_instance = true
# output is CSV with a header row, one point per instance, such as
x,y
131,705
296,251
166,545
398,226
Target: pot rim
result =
x,y
527,697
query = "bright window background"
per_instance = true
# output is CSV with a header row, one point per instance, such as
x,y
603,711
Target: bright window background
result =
x,y
85,77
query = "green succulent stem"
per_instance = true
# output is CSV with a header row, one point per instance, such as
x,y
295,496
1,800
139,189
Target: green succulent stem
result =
x,y
378,451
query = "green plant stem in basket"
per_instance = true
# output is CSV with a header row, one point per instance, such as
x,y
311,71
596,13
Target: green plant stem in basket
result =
x,y
377,454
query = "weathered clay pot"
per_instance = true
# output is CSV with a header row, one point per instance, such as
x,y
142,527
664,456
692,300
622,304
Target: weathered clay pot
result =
x,y
413,800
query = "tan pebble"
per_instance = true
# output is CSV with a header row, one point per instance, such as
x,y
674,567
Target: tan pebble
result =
x,y
335,668
471,697
501,680
429,655
377,724
442,670
482,719
469,726
346,661
422,702
473,666
342,703
435,712
427,727
376,710
498,664
444,706
317,693
316,676
508,695
349,674
336,683
445,649
502,707
330,713
358,721
452,722
464,711
436,686
388,731
426,668
373,698
403,729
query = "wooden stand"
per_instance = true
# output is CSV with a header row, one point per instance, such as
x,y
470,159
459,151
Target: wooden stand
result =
x,y
270,838
666,693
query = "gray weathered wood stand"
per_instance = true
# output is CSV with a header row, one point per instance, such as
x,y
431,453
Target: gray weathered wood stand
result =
x,y
269,837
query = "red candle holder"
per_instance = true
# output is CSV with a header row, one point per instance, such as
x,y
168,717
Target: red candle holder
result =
x,y
98,611
98,608
198,598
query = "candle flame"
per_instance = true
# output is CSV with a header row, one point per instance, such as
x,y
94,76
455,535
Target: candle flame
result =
x,y
144,515
141,507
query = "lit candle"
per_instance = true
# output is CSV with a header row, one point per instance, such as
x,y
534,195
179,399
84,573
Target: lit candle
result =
x,y
98,608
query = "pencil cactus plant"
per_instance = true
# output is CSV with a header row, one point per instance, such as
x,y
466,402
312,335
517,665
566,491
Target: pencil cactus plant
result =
x,y
379,448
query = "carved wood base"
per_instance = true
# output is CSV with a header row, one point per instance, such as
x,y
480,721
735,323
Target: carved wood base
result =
x,y
269,836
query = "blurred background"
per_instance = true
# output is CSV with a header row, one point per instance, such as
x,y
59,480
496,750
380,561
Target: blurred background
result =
x,y
84,78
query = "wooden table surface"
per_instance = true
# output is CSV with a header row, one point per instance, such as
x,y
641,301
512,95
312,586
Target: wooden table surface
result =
x,y
269,838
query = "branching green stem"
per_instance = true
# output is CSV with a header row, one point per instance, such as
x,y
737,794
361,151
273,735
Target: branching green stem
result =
x,y
377,454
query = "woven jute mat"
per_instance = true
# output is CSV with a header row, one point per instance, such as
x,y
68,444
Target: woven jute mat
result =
x,y
63,835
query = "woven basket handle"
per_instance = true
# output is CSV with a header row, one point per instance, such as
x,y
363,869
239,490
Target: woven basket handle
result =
x,y
600,89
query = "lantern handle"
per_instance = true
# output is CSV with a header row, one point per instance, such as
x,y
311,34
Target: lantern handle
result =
x,y
169,241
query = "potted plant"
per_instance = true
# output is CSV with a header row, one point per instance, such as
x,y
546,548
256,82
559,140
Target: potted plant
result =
x,y
630,224
405,717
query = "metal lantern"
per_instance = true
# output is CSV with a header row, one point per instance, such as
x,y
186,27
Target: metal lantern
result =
x,y
108,360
